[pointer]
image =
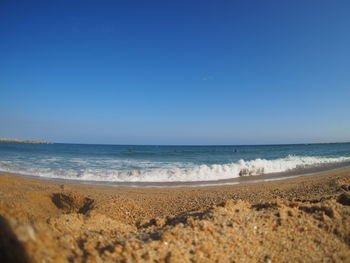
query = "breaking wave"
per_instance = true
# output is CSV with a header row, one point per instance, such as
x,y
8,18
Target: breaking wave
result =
x,y
176,172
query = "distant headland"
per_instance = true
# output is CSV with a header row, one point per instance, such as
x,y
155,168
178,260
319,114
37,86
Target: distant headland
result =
x,y
24,141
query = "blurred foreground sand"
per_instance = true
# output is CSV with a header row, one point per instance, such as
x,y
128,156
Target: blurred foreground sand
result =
x,y
304,219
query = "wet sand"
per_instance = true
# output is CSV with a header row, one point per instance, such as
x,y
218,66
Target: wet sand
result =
x,y
303,219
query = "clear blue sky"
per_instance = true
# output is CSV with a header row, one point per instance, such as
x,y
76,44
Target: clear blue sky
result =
x,y
175,72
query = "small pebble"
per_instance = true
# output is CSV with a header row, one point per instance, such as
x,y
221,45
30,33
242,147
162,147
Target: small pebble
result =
x,y
267,259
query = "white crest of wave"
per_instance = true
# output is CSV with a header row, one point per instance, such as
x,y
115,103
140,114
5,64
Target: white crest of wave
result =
x,y
178,174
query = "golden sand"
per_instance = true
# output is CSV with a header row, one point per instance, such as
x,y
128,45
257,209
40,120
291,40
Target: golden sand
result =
x,y
304,219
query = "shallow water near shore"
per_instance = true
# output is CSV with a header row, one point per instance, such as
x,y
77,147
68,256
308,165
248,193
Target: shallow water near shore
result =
x,y
133,165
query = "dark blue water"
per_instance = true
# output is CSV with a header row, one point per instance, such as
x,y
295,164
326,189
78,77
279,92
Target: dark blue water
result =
x,y
130,163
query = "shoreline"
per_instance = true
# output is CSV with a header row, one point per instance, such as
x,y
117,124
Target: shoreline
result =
x,y
6,140
296,219
237,180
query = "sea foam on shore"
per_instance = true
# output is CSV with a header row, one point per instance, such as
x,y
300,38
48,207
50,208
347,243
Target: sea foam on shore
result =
x,y
171,172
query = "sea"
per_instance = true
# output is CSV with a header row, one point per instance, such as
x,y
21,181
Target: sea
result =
x,y
133,164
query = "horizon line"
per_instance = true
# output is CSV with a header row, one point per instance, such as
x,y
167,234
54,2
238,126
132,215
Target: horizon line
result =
x,y
203,145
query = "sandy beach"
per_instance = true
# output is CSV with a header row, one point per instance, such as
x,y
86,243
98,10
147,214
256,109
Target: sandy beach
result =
x,y
303,219
174,131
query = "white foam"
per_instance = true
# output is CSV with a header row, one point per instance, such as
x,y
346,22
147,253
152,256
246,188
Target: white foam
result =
x,y
173,172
